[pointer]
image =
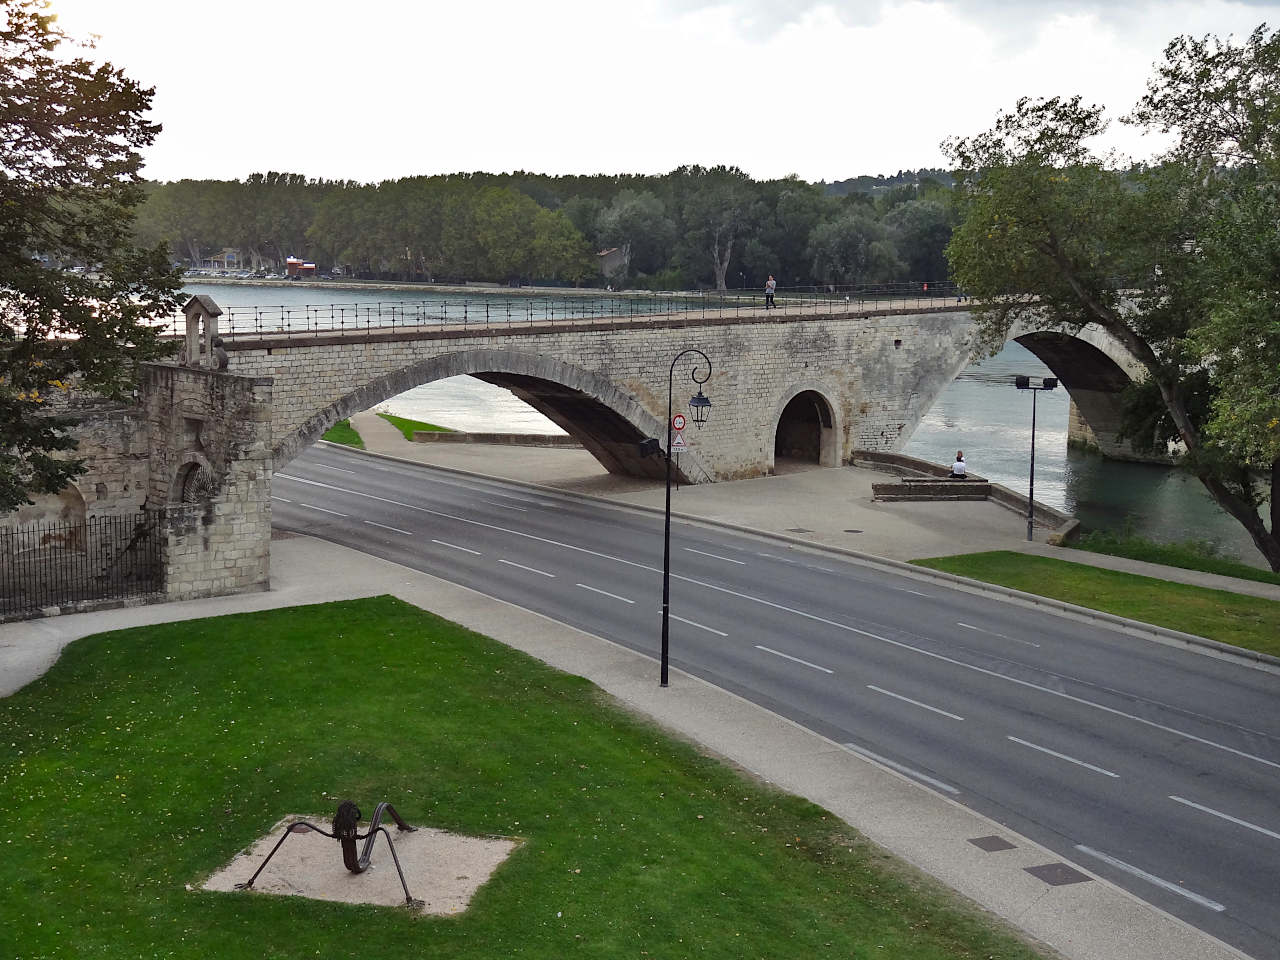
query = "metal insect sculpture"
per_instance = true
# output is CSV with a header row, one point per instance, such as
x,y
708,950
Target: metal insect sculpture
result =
x,y
346,831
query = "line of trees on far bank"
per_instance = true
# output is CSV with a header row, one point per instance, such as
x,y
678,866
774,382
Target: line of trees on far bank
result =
x,y
695,227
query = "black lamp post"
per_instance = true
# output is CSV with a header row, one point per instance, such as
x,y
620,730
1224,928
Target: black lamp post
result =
x,y
699,409
1024,383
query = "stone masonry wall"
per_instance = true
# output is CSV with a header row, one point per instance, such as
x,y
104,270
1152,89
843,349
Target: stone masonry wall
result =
x,y
880,374
217,425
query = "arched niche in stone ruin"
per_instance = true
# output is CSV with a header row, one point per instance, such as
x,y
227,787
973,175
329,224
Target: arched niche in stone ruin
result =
x,y
193,482
65,506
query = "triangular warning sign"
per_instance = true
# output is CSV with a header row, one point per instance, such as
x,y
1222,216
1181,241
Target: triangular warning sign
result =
x,y
677,443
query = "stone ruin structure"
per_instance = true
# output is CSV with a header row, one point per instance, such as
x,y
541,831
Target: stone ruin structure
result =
x,y
193,454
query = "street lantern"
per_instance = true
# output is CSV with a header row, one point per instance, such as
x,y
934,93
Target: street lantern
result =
x,y
699,410
1024,383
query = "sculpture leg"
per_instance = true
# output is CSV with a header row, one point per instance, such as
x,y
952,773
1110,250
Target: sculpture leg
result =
x,y
298,826
408,900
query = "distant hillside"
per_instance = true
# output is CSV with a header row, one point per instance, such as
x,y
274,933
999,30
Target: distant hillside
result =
x,y
881,183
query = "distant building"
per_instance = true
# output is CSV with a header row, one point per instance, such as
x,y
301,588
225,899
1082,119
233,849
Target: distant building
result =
x,y
228,259
613,262
293,267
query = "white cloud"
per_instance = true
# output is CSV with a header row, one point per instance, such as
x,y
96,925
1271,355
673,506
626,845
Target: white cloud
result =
x,y
825,90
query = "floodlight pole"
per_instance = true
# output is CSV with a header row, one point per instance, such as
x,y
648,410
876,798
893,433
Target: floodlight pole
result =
x,y
1024,383
666,533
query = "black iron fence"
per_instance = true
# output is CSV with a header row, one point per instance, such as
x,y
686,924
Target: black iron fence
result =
x,y
101,558
439,312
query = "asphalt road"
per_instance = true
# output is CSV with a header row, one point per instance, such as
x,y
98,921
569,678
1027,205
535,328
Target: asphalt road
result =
x,y
1149,765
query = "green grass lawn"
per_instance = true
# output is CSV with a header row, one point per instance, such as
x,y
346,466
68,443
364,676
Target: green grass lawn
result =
x,y
343,432
1231,618
407,426
147,758
1190,555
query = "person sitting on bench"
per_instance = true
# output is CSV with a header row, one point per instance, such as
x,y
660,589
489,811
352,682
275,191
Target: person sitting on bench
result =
x,y
958,469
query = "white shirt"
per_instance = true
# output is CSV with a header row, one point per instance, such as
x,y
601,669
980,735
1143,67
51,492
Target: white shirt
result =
x,y
958,469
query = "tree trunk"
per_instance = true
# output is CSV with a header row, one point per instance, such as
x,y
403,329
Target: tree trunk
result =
x,y
721,265
1267,541
1275,497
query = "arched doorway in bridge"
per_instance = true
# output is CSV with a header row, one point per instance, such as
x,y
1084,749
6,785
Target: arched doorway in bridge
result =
x,y
806,432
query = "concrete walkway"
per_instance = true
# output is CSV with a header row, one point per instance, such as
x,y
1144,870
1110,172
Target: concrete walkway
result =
x,y
826,506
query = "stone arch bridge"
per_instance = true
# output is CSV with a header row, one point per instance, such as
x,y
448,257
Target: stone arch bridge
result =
x,y
811,382
813,385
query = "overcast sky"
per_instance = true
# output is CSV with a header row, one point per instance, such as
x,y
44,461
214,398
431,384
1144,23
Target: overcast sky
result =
x,y
392,88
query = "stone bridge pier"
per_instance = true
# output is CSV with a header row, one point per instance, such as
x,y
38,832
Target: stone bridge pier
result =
x,y
1095,370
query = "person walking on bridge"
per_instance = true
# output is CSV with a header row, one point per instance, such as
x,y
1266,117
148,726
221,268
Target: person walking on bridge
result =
x,y
770,288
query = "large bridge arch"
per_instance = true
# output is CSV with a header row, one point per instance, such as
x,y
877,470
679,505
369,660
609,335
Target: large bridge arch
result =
x,y
607,421
1095,370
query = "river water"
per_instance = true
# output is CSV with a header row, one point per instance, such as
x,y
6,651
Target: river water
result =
x,y
980,412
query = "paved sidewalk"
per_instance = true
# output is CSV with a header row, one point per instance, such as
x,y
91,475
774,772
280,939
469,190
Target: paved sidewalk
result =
x,y
1081,921
826,506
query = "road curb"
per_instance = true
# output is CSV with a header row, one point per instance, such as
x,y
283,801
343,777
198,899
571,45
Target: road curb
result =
x,y
1136,628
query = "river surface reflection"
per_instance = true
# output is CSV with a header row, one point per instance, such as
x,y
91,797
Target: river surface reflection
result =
x,y
981,412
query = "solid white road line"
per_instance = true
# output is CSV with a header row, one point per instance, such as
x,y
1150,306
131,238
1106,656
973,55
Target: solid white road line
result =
x,y
901,768
541,573
915,703
505,506
281,499
928,596
374,523
787,656
454,546
321,509
715,556
1151,878
969,626
799,613
700,626
325,466
1063,756
1227,817
605,593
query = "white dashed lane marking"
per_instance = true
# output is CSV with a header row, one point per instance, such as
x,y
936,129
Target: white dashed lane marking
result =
x,y
787,656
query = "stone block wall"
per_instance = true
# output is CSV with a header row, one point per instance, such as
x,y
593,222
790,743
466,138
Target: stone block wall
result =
x,y
113,442
210,467
880,374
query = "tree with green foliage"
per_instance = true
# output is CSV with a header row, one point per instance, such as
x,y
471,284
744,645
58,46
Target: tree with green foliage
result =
x,y
719,207
853,248
922,229
1049,225
637,223
70,132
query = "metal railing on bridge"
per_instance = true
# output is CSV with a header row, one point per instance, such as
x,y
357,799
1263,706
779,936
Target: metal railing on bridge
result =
x,y
512,311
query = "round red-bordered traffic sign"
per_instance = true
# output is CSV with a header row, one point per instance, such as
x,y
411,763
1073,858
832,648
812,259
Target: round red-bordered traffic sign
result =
x,y
677,422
